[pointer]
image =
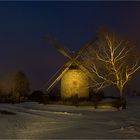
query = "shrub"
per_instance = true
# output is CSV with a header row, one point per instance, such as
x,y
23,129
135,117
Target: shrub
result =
x,y
38,96
120,103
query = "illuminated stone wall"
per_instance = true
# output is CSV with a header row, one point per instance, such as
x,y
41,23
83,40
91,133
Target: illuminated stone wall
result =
x,y
74,82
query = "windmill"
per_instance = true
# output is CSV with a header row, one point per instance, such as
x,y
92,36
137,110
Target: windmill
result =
x,y
73,75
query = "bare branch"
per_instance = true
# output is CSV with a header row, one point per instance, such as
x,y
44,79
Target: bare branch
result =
x,y
110,62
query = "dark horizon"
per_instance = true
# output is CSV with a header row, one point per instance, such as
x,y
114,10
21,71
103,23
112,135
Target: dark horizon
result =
x,y
24,26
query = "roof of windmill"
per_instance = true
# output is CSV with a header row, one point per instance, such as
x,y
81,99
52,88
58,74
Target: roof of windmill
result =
x,y
73,66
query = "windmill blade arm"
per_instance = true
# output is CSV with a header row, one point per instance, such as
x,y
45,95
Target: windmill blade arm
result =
x,y
64,52
84,48
53,81
56,80
53,42
85,70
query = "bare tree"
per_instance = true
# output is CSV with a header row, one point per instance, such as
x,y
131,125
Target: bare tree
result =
x,y
21,86
112,61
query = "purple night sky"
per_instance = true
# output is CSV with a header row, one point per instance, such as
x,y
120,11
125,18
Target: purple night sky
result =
x,y
24,25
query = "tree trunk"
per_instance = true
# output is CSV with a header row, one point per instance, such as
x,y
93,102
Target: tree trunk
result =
x,y
122,99
121,92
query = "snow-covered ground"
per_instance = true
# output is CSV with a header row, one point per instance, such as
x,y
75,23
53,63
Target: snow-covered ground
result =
x,y
36,121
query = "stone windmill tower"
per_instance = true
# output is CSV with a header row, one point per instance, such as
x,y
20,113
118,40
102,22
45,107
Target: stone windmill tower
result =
x,y
73,75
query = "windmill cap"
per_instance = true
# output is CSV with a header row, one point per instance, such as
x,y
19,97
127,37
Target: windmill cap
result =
x,y
73,66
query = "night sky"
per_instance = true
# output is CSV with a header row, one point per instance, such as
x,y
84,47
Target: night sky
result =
x,y
24,26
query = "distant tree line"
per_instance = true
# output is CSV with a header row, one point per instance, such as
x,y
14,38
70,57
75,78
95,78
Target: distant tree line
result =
x,y
18,91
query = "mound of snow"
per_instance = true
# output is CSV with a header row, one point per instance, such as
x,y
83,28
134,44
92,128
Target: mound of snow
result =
x,y
129,129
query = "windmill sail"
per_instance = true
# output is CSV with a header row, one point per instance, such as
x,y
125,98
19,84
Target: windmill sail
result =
x,y
85,70
84,48
78,61
53,42
58,75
